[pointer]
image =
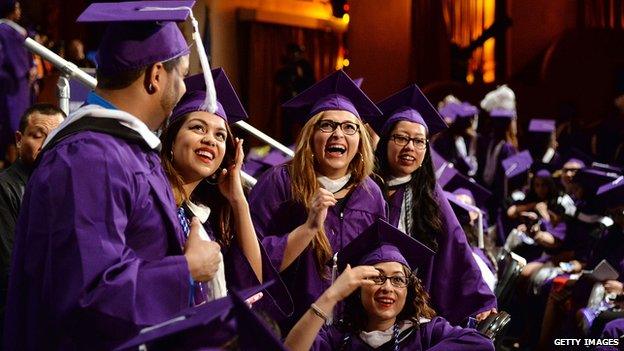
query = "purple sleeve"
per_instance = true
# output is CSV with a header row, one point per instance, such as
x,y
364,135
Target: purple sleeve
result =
x,y
266,202
456,286
444,337
240,275
558,231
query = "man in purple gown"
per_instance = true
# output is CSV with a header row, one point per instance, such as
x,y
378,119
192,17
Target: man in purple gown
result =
x,y
98,252
16,72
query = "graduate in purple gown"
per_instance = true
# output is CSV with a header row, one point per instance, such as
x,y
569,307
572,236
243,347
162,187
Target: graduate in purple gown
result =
x,y
308,209
386,307
99,252
492,149
418,206
16,72
542,142
458,143
202,160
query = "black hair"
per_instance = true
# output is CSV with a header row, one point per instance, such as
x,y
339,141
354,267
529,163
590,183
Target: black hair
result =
x,y
44,109
123,79
425,210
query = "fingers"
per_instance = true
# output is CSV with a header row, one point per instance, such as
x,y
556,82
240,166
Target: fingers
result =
x,y
240,154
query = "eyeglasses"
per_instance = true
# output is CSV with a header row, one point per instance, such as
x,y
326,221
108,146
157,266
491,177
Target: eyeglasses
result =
x,y
402,140
348,128
398,281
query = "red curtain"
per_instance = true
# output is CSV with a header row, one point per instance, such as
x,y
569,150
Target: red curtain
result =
x,y
601,14
263,47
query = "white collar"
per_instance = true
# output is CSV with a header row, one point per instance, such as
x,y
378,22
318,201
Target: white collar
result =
x,y
377,338
200,211
15,26
124,118
334,185
399,180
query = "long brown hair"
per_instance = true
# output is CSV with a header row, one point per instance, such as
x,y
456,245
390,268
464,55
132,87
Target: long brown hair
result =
x,y
207,192
302,169
416,306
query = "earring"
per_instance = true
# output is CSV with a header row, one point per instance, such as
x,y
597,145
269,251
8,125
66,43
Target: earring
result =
x,y
150,88
171,155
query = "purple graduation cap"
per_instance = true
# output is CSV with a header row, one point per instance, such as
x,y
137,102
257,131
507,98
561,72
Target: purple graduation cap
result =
x,y
462,212
537,125
517,164
452,111
209,326
577,156
606,167
382,242
516,169
141,33
591,179
502,114
358,82
459,184
134,38
335,92
409,104
229,106
612,193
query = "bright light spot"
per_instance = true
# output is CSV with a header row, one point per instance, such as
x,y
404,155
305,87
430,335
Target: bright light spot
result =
x,y
345,62
346,18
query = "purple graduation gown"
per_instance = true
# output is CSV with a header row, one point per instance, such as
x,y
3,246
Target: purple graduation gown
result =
x,y
454,283
15,96
275,214
239,275
97,251
436,335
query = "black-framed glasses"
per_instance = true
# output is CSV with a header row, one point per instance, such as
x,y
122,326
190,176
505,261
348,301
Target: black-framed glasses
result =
x,y
398,281
402,140
328,126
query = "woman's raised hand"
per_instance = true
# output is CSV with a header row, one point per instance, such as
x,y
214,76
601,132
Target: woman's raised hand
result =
x,y
230,184
350,280
317,213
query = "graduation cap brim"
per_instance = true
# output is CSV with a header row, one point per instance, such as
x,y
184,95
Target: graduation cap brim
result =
x,y
538,125
189,319
460,181
252,331
411,97
417,255
612,193
517,164
229,106
136,11
335,92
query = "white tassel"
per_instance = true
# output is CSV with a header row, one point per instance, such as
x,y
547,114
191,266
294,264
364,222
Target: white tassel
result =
x,y
210,103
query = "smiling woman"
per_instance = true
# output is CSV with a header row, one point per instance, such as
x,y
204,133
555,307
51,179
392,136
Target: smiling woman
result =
x,y
308,209
386,306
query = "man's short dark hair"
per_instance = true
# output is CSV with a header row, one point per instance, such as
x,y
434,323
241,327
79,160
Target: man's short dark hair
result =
x,y
124,79
44,109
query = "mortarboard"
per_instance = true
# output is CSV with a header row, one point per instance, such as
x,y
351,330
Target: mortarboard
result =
x,y
335,92
502,114
141,33
458,184
591,179
537,125
229,106
134,39
188,330
451,111
517,164
575,155
612,193
462,212
382,242
409,104
606,167
358,82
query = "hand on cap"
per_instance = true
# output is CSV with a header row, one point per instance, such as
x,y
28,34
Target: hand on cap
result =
x,y
202,256
350,280
321,201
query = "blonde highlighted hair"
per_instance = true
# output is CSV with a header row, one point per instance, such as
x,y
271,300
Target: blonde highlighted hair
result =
x,y
303,173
